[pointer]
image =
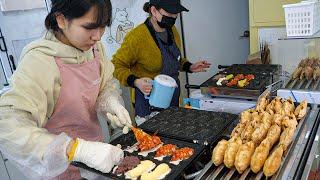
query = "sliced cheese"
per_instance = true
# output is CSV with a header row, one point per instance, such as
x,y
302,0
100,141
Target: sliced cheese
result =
x,y
159,173
144,167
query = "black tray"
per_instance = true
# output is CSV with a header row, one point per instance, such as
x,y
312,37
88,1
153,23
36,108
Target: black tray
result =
x,y
264,76
195,126
129,140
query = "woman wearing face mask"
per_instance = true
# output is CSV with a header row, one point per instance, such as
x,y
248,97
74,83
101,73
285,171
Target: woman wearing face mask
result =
x,y
49,116
150,49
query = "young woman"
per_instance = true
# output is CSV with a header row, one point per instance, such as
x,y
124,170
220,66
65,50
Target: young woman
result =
x,y
49,117
150,49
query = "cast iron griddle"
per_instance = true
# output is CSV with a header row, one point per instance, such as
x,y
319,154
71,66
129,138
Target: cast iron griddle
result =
x,y
264,76
190,125
129,140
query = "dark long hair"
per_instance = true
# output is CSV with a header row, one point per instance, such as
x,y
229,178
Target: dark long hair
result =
x,y
72,9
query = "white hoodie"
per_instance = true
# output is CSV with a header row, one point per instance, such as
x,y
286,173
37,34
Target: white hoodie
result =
x,y
27,106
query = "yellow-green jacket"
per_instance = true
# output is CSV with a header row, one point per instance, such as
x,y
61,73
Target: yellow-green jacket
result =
x,y
139,56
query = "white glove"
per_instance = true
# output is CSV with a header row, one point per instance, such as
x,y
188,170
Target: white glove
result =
x,y
122,115
115,122
97,155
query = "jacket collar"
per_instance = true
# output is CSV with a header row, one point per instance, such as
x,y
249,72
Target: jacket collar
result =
x,y
153,33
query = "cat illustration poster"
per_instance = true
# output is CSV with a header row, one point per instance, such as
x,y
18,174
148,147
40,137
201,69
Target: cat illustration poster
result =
x,y
126,15
120,26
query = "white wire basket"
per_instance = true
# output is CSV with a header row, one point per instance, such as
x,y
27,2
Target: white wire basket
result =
x,y
302,19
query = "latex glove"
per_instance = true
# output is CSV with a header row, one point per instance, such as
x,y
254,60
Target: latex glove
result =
x,y
115,122
98,155
144,84
200,66
122,115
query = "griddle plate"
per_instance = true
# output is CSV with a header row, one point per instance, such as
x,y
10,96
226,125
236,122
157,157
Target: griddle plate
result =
x,y
189,125
176,170
258,83
264,76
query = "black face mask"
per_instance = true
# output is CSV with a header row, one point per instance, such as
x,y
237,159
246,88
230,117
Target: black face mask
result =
x,y
167,22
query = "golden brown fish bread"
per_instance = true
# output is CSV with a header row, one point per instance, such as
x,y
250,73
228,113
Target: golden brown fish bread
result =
x,y
236,132
288,106
256,119
317,62
218,152
245,117
301,110
307,73
243,157
278,105
286,137
273,101
259,134
274,134
260,155
289,123
267,119
292,116
261,131
297,72
316,73
303,62
231,152
277,119
271,112
262,104
270,106
273,162
246,134
311,62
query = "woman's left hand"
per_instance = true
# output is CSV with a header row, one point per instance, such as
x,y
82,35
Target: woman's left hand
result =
x,y
200,66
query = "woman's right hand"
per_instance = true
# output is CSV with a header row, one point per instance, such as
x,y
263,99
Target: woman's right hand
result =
x,y
144,84
97,155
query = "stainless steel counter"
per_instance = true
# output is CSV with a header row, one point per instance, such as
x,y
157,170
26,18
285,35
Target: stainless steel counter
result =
x,y
311,168
292,161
